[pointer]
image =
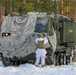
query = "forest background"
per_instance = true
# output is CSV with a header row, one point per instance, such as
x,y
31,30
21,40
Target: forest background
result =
x,y
64,7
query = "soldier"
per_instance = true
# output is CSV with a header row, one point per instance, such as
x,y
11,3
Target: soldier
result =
x,y
40,52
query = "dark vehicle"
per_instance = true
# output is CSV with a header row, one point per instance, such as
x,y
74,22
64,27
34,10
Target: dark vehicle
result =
x,y
18,34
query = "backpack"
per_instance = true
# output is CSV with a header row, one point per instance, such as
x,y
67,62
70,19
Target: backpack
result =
x,y
41,44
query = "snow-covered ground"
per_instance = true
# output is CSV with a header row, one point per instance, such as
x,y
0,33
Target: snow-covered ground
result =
x,y
29,69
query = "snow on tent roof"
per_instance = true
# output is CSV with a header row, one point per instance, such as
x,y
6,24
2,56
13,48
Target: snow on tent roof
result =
x,y
32,12
36,13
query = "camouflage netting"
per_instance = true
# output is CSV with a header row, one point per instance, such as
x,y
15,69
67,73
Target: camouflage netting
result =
x,y
21,42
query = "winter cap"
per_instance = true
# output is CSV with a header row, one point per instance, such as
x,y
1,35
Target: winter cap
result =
x,y
40,35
